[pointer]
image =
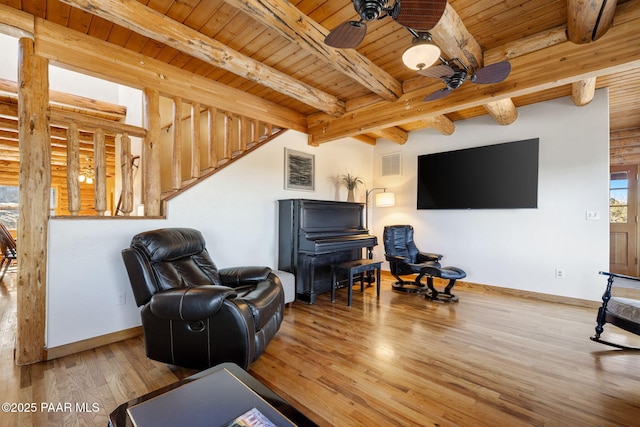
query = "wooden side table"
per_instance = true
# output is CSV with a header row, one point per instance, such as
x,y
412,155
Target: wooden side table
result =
x,y
352,268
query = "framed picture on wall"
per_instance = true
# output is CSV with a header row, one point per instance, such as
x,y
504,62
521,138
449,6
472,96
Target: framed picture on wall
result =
x,y
299,170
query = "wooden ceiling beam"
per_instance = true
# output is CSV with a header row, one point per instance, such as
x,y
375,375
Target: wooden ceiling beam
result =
x,y
542,69
526,45
309,35
456,41
583,91
117,64
588,20
440,123
393,134
147,22
16,23
366,139
503,111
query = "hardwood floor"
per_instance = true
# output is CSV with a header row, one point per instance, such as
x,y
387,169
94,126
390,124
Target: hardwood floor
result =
x,y
489,360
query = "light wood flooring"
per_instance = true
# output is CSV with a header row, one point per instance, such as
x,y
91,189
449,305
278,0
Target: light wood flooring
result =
x,y
488,360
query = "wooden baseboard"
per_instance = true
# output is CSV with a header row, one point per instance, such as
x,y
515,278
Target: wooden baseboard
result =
x,y
90,343
498,290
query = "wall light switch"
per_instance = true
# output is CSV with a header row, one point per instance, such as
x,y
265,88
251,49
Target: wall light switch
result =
x,y
593,215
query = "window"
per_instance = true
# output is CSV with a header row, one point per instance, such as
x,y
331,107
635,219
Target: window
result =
x,y
619,197
9,206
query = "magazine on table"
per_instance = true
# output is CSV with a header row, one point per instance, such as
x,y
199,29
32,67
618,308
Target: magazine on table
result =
x,y
252,418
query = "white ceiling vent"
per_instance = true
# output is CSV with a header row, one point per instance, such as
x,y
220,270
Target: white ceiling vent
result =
x,y
391,164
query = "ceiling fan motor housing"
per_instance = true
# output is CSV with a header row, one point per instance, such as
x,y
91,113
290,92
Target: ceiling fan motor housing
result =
x,y
369,9
455,80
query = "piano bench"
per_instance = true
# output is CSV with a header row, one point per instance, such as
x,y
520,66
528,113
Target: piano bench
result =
x,y
352,268
288,283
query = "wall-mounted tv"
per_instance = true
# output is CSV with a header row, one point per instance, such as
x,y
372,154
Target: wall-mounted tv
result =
x,y
501,176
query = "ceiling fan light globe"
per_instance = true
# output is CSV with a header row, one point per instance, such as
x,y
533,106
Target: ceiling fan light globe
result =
x,y
421,55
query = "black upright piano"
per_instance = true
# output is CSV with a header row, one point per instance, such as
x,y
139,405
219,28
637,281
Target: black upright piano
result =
x,y
313,235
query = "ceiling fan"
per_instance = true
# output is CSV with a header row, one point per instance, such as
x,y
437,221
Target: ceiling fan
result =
x,y
453,73
419,15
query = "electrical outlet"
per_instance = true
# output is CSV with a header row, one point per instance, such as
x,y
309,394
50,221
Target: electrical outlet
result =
x,y
559,273
122,299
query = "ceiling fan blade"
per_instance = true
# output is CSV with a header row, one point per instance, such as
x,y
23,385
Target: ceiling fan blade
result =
x,y
437,71
420,15
438,94
346,35
493,73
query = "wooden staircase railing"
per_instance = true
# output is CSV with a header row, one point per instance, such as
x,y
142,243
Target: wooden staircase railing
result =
x,y
196,142
211,138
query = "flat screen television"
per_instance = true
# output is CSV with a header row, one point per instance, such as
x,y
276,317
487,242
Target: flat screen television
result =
x,y
501,176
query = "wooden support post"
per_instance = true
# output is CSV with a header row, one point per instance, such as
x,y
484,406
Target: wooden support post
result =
x,y
176,171
100,165
151,153
255,126
73,169
212,144
33,211
234,135
195,140
126,166
226,139
242,136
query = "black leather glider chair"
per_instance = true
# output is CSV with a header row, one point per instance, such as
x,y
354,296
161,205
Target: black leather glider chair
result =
x,y
406,259
195,315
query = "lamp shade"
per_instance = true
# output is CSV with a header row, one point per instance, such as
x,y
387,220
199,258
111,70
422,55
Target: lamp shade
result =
x,y
385,199
422,53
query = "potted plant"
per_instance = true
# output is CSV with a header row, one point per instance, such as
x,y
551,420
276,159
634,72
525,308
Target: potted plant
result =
x,y
351,182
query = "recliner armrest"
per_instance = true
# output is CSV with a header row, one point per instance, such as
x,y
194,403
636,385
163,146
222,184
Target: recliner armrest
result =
x,y
236,276
194,303
395,258
428,256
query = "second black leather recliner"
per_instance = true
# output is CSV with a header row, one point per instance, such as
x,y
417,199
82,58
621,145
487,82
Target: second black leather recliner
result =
x,y
195,315
406,259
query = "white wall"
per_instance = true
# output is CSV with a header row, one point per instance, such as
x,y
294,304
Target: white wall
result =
x,y
236,210
8,57
520,249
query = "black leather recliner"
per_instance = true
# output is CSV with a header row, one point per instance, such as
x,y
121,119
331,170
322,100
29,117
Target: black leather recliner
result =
x,y
195,315
406,259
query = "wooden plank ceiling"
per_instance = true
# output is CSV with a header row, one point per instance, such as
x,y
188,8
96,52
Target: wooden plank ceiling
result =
x,y
273,50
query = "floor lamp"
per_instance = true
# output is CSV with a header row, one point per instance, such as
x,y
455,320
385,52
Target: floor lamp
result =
x,y
383,199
